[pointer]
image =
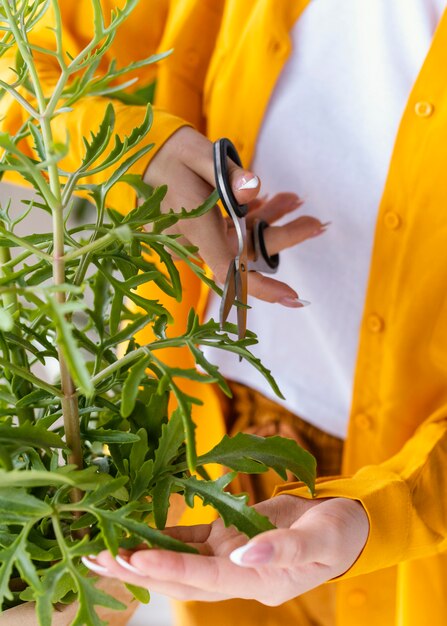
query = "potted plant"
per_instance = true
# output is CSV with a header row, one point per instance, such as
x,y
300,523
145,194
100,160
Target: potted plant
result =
x,y
90,458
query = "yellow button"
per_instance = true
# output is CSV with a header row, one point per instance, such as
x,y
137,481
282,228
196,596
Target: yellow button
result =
x,y
424,109
357,597
375,323
363,421
191,57
392,220
275,46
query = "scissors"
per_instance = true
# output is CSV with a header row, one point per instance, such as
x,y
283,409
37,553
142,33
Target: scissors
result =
x,y
235,289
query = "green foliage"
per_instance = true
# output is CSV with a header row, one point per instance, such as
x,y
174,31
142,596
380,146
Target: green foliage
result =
x,y
89,458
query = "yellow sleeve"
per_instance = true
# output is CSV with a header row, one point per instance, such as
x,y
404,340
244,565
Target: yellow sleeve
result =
x,y
405,499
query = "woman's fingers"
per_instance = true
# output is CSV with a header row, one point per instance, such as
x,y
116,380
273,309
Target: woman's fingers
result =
x,y
272,210
271,290
190,534
278,238
196,152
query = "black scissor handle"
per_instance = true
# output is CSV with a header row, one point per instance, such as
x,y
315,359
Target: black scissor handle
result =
x,y
224,148
273,260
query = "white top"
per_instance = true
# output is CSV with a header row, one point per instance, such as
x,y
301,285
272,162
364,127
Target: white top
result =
x,y
328,135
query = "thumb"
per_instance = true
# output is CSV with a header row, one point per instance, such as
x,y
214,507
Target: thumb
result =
x,y
332,534
199,157
244,184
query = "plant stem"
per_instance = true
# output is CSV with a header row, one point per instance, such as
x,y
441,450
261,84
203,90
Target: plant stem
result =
x,y
69,400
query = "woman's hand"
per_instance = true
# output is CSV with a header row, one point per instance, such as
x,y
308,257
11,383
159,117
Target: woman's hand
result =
x,y
315,540
185,163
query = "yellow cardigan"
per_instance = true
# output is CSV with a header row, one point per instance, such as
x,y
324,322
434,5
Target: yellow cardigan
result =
x,y
228,55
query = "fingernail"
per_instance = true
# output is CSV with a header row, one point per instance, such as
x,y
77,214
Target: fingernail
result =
x,y
257,554
248,183
94,567
322,228
128,566
295,303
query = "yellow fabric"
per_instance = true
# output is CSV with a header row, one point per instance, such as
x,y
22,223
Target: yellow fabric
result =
x,y
228,55
396,449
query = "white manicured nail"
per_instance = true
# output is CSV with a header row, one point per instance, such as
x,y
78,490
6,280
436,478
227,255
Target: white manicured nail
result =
x,y
251,555
237,555
128,566
294,303
94,567
251,183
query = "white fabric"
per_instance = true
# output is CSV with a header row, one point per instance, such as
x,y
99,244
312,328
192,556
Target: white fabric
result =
x,y
328,135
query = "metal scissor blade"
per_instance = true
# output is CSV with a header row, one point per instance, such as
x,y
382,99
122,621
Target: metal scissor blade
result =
x,y
229,294
241,276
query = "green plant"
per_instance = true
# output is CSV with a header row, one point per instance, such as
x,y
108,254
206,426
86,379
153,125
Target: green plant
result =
x,y
89,460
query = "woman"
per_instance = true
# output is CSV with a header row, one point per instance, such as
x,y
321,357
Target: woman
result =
x,y
314,98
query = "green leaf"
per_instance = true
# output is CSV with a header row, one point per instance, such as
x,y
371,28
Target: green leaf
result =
x,y
138,452
89,597
130,388
39,145
30,435
33,478
115,312
36,398
45,598
143,531
172,437
110,488
6,321
160,500
99,141
142,479
143,190
233,510
16,505
252,454
110,436
16,554
75,361
148,210
141,594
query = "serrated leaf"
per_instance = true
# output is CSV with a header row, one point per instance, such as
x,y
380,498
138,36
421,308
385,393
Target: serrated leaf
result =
x,y
16,554
160,500
141,479
249,453
147,210
172,437
89,597
39,145
99,141
233,510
